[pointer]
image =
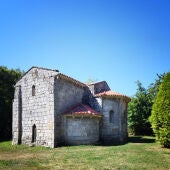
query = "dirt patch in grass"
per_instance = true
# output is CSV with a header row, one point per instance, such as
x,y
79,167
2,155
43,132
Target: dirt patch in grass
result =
x,y
158,148
14,156
90,148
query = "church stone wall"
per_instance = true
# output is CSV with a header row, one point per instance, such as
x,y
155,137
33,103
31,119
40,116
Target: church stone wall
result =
x,y
93,102
36,110
81,130
17,116
38,119
67,95
112,131
124,129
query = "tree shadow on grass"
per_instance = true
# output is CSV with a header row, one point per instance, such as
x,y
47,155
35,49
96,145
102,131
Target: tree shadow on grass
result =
x,y
140,139
131,139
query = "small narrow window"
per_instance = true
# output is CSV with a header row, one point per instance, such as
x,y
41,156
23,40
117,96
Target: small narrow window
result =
x,y
33,90
34,133
111,114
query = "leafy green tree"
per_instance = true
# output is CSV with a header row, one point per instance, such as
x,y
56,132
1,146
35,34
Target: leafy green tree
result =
x,y
154,87
160,117
139,110
8,78
91,80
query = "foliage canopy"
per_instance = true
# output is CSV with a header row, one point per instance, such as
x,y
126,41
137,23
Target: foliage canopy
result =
x,y
139,110
8,78
140,107
160,118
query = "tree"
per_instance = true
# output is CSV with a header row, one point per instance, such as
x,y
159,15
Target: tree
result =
x,y
139,110
8,78
154,87
91,80
160,117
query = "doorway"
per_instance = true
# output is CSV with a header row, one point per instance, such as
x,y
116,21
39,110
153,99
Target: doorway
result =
x,y
34,133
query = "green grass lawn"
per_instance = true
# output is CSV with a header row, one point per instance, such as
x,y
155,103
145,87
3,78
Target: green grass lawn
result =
x,y
139,153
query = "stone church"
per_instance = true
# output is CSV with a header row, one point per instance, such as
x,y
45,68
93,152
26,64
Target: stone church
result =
x,y
52,109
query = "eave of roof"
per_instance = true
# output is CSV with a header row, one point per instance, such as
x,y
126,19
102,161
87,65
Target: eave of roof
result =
x,y
69,79
112,94
98,82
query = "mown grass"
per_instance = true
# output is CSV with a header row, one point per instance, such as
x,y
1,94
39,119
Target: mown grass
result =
x,y
139,153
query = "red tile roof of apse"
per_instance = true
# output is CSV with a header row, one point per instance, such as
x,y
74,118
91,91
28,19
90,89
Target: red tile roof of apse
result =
x,y
82,109
112,94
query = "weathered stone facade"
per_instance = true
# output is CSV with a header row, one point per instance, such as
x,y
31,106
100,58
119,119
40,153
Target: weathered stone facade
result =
x,y
81,130
29,110
43,95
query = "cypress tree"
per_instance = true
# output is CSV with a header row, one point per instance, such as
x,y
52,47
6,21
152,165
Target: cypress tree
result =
x,y
160,117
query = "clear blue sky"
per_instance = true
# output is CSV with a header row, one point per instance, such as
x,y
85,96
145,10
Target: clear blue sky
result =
x,y
113,40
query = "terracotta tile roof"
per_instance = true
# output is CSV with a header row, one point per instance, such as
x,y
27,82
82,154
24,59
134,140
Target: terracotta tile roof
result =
x,y
112,94
82,109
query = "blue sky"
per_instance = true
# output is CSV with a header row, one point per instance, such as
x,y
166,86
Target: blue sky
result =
x,y
120,41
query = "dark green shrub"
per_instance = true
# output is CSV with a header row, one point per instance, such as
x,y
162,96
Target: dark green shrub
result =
x,y
139,110
160,117
8,78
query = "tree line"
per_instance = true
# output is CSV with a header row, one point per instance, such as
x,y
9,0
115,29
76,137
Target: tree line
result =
x,y
8,78
149,110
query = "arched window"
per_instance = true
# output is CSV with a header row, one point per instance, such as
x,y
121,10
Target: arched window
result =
x,y
111,116
34,133
33,90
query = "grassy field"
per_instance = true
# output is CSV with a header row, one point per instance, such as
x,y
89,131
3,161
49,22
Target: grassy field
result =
x,y
139,153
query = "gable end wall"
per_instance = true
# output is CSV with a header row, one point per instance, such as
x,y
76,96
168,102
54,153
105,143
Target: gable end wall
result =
x,y
38,109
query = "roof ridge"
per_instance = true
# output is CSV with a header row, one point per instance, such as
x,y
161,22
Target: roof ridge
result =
x,y
77,82
71,79
32,68
112,94
44,68
81,108
95,82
